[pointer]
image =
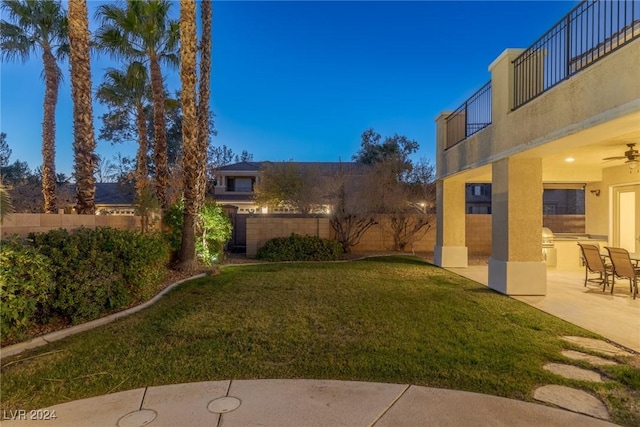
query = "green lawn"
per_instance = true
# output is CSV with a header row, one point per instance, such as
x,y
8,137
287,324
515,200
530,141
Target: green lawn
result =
x,y
392,319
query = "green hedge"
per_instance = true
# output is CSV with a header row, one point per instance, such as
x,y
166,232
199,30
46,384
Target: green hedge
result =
x,y
25,286
300,248
97,271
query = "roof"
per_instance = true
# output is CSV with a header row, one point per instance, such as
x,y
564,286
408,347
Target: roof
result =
x,y
242,167
328,168
111,193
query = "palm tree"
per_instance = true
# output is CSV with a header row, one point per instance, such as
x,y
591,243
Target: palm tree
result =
x,y
84,143
128,91
39,27
206,12
188,53
141,30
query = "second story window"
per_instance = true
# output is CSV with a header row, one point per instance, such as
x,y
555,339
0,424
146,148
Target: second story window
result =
x,y
241,185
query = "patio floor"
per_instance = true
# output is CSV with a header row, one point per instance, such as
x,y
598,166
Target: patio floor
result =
x,y
615,317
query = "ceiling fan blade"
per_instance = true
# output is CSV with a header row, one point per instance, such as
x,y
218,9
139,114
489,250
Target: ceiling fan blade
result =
x,y
615,158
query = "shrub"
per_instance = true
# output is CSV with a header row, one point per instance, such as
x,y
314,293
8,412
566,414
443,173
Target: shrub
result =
x,y
300,248
25,284
97,271
213,230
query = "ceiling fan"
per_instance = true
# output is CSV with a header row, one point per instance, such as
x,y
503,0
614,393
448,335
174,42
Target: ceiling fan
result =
x,y
631,155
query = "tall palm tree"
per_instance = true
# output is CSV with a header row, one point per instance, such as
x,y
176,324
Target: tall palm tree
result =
x,y
188,53
129,91
39,27
84,143
206,12
142,30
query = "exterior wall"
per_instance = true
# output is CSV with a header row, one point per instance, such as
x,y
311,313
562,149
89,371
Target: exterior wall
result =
x,y
25,223
564,223
263,228
598,94
597,207
376,239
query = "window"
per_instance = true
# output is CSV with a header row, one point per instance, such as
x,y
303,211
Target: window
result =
x,y
242,185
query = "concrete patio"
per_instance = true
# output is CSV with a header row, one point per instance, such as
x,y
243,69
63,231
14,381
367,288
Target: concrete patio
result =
x,y
615,317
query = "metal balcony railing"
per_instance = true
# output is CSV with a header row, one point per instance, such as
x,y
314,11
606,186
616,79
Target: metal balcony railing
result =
x,y
589,32
472,116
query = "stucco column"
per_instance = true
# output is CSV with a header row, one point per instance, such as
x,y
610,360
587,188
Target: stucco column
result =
x,y
515,266
450,249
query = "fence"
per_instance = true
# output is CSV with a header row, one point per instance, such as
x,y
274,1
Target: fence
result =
x,y
471,117
25,223
589,32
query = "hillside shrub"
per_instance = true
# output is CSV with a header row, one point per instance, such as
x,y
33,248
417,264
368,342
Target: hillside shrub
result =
x,y
300,248
25,285
97,271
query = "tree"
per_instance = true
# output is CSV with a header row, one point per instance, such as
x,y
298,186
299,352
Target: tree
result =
x,y
5,151
127,93
374,150
353,196
84,143
141,30
296,185
188,51
39,27
407,202
204,99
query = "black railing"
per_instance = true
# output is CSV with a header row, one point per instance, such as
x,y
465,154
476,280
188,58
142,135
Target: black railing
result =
x,y
472,116
592,30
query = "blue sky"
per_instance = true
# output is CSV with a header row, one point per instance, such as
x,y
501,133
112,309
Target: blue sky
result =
x,y
302,80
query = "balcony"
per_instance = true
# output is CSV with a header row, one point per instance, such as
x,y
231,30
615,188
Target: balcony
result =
x,y
588,33
471,117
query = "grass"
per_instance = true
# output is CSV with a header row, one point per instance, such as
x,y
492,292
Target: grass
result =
x,y
391,319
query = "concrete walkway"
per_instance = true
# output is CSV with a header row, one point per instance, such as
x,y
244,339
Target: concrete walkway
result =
x,y
299,403
615,317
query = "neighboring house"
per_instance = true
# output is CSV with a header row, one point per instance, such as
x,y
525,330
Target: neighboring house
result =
x,y
478,198
556,200
234,184
113,198
550,115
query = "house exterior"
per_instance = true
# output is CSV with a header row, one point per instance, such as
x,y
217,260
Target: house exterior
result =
x,y
550,116
234,184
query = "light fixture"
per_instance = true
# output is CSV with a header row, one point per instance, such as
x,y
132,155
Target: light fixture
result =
x,y
595,193
633,164
569,160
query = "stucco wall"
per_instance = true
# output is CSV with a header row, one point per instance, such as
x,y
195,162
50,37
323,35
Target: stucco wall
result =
x,y
597,207
606,90
23,223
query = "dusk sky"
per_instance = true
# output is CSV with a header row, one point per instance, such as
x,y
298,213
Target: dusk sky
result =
x,y
302,80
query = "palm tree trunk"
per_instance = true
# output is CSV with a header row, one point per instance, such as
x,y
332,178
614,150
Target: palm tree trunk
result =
x,y
188,41
52,81
143,146
159,132
84,143
203,102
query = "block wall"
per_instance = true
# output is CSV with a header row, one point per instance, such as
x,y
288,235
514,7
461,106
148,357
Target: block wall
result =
x,y
23,223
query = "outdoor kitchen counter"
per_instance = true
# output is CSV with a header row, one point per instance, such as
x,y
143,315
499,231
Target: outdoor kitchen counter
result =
x,y
569,251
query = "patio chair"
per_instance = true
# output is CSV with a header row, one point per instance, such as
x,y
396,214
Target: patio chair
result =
x,y
623,268
594,264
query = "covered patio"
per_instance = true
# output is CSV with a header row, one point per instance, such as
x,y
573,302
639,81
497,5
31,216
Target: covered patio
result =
x,y
615,317
562,114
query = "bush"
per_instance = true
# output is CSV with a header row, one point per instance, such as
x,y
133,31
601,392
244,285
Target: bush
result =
x,y
300,248
213,230
25,285
97,271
